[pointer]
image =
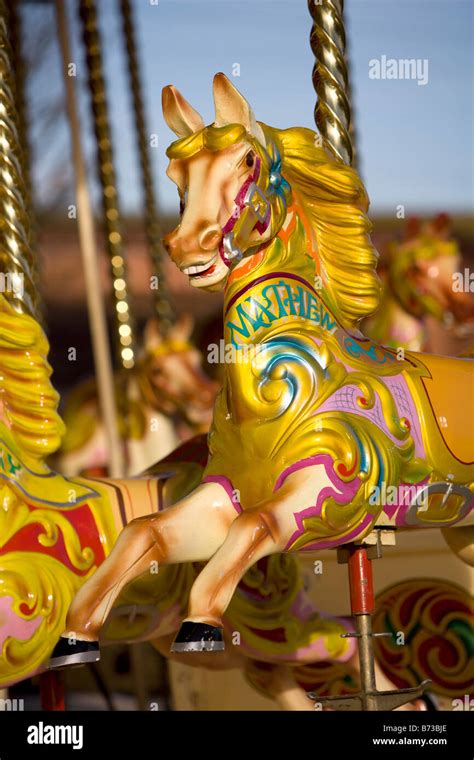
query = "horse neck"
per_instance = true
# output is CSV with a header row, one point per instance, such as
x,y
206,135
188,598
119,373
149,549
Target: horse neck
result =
x,y
139,388
394,326
282,279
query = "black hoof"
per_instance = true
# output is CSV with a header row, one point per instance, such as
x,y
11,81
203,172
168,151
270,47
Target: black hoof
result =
x,y
198,637
67,653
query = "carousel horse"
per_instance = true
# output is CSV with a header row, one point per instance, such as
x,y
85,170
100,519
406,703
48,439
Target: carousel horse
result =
x,y
55,531
167,397
417,282
319,435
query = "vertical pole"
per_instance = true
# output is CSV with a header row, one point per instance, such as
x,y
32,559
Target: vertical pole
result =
x,y
362,605
85,221
17,262
19,72
52,691
332,112
163,308
124,338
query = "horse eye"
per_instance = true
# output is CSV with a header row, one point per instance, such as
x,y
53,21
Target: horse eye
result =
x,y
182,202
249,159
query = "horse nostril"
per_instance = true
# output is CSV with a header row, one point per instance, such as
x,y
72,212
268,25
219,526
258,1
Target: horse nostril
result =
x,y
169,243
210,239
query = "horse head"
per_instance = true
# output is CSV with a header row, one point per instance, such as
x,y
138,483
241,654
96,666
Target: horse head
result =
x,y
171,377
254,195
233,197
422,272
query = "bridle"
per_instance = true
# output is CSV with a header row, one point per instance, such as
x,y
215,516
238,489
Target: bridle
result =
x,y
252,208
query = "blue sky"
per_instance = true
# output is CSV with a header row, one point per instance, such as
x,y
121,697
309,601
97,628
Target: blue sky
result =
x,y
415,142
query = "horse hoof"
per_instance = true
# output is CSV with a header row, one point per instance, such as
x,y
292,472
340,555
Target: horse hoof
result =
x,y
198,637
67,653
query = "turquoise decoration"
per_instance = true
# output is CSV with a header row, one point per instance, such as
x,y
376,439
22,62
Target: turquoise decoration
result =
x,y
277,183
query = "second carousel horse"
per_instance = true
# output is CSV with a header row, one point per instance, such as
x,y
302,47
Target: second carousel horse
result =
x,y
315,423
417,280
165,396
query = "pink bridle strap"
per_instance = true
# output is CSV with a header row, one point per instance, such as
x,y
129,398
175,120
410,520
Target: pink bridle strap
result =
x,y
252,211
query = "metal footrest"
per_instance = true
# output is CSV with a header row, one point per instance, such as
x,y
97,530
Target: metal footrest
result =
x,y
373,700
359,635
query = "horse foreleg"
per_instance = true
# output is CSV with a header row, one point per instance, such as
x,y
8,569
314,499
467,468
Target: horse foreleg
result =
x,y
253,535
256,533
190,531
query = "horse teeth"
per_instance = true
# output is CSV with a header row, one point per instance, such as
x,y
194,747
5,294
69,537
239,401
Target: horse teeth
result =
x,y
197,268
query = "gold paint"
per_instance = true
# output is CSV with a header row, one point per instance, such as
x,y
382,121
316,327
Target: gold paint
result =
x,y
28,398
47,587
15,515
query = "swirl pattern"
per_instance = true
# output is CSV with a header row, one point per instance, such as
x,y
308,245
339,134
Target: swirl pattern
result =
x,y
435,617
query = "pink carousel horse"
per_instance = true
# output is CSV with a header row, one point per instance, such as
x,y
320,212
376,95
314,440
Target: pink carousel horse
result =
x,y
315,423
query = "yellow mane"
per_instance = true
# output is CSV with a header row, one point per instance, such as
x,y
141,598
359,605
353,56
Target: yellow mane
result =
x,y
27,397
335,201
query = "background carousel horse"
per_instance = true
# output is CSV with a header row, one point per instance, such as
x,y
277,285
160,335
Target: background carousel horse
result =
x,y
417,282
417,278
166,397
315,423
55,531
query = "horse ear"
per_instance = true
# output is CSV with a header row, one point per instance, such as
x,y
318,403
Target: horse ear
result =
x,y
152,337
179,115
441,223
183,328
232,108
412,228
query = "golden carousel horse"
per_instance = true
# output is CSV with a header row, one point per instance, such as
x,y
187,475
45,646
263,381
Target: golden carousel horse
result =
x,y
418,279
315,423
165,398
55,532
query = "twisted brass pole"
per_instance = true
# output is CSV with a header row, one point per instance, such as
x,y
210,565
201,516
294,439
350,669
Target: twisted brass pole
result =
x,y
152,228
20,73
90,259
332,111
111,212
16,256
355,163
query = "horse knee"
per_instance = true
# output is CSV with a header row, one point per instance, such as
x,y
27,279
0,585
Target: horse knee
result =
x,y
262,524
137,531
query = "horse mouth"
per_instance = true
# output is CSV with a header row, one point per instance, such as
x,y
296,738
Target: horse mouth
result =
x,y
201,270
